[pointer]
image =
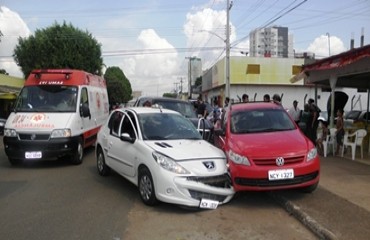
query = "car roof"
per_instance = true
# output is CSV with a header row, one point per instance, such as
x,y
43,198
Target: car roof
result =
x,y
255,105
163,99
141,110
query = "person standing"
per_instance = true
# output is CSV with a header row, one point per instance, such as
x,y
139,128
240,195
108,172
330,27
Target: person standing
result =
x,y
340,130
276,99
306,121
245,98
295,112
266,98
201,108
315,110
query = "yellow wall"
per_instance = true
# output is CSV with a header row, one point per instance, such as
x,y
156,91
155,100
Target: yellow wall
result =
x,y
272,70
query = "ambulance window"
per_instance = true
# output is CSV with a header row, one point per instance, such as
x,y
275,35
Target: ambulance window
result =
x,y
84,97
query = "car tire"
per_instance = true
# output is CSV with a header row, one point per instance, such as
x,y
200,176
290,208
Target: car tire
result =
x,y
310,189
77,156
14,161
146,187
102,167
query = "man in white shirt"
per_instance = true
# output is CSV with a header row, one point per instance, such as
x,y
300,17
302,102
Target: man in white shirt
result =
x,y
295,112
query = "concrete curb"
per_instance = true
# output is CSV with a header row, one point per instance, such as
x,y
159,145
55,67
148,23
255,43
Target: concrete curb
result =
x,y
304,218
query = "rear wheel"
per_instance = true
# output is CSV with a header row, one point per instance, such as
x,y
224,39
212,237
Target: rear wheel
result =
x,y
77,157
103,169
146,187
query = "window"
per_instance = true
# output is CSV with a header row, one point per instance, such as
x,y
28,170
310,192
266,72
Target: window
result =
x,y
253,69
129,125
84,97
114,123
296,69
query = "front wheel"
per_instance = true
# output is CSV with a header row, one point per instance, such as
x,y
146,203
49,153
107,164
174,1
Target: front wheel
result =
x,y
14,161
146,187
310,189
77,156
103,169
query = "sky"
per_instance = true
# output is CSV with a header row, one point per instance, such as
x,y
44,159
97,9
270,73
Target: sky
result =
x,y
152,40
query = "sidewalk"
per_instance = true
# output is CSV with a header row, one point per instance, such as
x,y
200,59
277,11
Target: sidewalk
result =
x,y
347,178
340,207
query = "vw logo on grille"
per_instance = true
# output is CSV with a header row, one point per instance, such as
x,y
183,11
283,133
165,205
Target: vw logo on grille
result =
x,y
209,165
279,161
33,136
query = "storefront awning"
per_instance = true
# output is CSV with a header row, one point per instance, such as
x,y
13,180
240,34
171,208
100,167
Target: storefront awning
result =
x,y
351,68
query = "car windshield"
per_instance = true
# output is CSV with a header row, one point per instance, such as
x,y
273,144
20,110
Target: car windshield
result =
x,y
49,98
167,126
261,120
185,108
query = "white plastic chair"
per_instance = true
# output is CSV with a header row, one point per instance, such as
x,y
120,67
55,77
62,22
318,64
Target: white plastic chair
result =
x,y
359,136
330,140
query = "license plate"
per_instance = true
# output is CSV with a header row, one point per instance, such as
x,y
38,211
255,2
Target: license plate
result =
x,y
207,203
281,174
33,155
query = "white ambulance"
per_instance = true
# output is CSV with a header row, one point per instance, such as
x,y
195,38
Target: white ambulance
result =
x,y
57,114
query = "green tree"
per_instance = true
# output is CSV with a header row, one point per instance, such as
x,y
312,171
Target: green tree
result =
x,y
118,86
170,95
198,81
3,71
59,46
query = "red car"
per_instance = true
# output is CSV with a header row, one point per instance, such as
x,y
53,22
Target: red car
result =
x,y
266,150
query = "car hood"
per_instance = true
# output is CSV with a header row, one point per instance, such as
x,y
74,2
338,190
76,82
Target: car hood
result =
x,y
186,149
282,143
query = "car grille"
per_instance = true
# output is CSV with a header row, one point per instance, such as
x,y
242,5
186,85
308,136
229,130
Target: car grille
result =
x,y
200,195
266,183
222,181
36,137
272,161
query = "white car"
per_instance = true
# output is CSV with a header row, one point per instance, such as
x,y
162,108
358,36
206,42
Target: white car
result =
x,y
162,153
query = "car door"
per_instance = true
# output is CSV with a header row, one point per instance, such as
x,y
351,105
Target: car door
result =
x,y
220,133
122,153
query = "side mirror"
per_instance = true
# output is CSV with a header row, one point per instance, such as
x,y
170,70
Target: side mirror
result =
x,y
85,111
126,138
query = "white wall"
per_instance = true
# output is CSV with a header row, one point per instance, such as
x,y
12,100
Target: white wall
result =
x,y
291,93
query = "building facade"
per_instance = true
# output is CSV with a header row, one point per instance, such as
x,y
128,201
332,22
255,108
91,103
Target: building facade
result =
x,y
258,76
271,42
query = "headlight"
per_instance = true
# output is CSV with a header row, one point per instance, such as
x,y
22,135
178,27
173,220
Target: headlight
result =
x,y
312,154
60,133
169,164
238,159
8,132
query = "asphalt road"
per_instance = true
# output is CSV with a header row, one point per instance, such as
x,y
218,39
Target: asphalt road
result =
x,y
56,200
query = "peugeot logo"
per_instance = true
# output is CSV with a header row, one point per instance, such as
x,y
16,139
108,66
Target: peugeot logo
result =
x,y
33,136
209,165
279,161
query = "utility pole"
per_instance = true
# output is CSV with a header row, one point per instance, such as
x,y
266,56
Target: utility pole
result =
x,y
227,82
180,83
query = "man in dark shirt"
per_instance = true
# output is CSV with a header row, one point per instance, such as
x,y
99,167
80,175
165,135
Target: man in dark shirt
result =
x,y
201,108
